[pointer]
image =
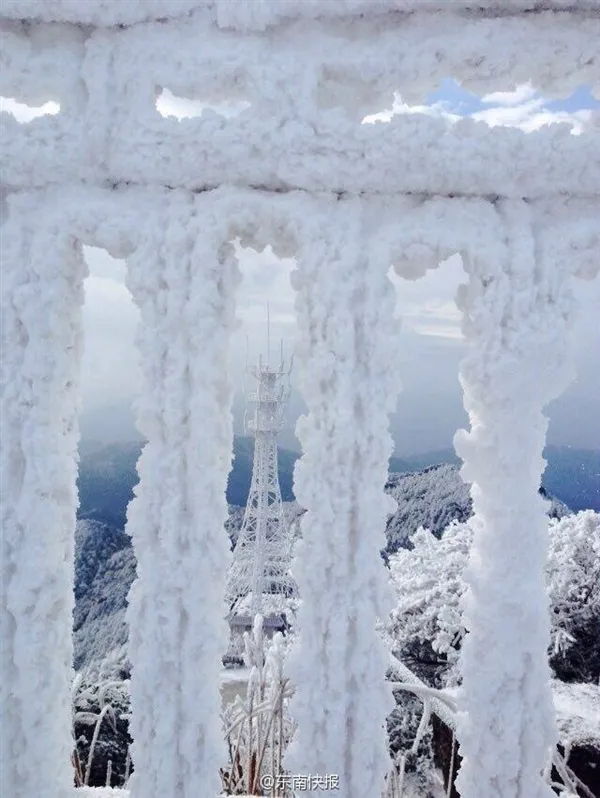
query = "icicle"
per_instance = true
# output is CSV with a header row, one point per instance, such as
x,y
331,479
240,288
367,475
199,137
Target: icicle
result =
x,y
345,309
517,310
42,295
183,280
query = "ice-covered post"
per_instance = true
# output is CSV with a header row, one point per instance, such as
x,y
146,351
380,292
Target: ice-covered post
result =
x,y
183,280
42,295
345,314
517,311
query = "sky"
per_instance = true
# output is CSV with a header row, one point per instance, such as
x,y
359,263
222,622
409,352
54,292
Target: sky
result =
x,y
429,343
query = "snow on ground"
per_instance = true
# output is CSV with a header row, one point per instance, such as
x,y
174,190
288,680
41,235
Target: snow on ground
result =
x,y
578,712
234,675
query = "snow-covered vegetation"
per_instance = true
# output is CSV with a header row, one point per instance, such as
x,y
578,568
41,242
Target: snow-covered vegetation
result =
x,y
426,628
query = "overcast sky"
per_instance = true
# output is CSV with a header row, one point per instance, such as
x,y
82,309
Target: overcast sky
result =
x,y
429,344
429,349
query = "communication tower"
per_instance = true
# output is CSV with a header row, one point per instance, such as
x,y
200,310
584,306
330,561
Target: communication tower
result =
x,y
259,580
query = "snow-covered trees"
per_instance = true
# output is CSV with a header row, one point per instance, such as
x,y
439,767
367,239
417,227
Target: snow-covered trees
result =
x,y
429,585
574,587
425,627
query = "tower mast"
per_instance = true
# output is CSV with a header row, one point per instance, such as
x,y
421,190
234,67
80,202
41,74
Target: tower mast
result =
x,y
261,559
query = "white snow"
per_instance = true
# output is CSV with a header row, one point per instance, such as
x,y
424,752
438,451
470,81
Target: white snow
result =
x,y
108,170
254,14
517,314
345,309
41,340
302,125
176,614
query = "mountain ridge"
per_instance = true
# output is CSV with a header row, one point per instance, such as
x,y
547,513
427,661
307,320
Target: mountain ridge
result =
x,y
105,560
107,476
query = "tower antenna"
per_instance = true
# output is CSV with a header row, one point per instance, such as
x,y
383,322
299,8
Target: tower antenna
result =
x,y
260,581
244,386
268,335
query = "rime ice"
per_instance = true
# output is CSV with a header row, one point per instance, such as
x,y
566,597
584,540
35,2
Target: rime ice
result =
x,y
297,169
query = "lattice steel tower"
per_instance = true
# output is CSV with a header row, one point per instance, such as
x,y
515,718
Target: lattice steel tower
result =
x,y
260,579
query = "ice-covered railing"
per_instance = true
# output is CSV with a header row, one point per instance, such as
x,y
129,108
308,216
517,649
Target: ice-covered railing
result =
x,y
253,15
301,127
347,200
189,433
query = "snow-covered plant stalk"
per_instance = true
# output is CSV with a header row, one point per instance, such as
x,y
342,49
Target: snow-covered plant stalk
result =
x,y
257,729
98,698
106,712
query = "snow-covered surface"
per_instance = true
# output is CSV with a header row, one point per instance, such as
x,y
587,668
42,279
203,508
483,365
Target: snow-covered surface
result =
x,y
177,626
120,172
517,313
255,14
578,712
413,153
303,128
345,308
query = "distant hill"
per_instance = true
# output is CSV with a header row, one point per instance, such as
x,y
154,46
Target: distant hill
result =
x,y
573,475
107,476
432,498
105,562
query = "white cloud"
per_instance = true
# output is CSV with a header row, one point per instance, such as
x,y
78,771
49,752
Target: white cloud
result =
x,y
532,115
521,108
169,104
437,318
110,368
521,94
400,107
26,113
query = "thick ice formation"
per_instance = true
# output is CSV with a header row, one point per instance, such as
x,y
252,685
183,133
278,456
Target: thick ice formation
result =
x,y
348,199
517,312
302,127
183,280
345,315
42,296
